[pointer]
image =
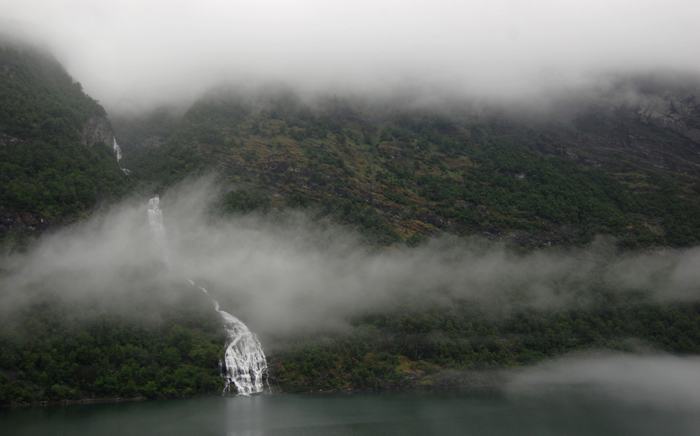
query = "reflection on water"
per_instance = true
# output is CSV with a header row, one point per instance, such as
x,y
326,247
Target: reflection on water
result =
x,y
400,414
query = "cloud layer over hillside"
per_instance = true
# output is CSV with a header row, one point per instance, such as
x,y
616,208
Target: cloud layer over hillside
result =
x,y
285,274
133,54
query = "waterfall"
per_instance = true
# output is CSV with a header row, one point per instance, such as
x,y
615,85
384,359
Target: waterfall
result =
x,y
155,222
118,153
244,365
117,150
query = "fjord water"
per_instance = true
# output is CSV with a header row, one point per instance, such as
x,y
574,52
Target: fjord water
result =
x,y
569,414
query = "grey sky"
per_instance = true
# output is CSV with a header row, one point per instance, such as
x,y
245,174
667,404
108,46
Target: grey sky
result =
x,y
128,53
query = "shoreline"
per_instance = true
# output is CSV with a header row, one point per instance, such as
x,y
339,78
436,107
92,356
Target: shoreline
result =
x,y
78,402
444,381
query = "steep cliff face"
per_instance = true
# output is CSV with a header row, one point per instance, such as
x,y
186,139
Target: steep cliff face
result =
x,y
97,130
56,158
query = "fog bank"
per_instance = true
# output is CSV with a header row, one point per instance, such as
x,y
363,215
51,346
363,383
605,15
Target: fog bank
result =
x,y
134,54
285,273
656,381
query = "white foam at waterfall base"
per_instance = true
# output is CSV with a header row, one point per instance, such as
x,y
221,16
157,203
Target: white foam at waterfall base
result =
x,y
244,365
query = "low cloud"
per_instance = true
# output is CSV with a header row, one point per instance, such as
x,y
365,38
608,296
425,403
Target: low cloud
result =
x,y
134,54
286,273
656,381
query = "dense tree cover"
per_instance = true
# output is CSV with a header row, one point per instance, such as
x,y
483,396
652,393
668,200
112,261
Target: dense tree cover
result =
x,y
154,347
56,182
50,170
40,100
56,350
404,175
406,348
397,175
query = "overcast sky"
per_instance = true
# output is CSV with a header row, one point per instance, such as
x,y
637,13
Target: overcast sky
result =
x,y
128,53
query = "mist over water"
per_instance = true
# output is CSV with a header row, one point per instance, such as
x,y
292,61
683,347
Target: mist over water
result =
x,y
655,383
284,274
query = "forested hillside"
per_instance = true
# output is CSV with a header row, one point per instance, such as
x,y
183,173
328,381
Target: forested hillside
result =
x,y
56,159
628,169
59,349
395,173
56,166
439,348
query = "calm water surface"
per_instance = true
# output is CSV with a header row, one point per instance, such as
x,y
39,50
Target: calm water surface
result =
x,y
395,414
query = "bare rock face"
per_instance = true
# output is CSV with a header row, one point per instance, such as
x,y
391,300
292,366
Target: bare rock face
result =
x,y
6,140
97,130
672,113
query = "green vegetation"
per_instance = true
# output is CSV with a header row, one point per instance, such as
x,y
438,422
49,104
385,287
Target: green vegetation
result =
x,y
55,350
54,183
405,348
55,162
40,100
396,176
407,175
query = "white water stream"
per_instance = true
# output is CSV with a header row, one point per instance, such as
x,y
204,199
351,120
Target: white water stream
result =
x,y
118,153
244,366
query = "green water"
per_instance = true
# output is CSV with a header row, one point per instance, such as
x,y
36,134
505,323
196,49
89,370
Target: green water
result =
x,y
395,414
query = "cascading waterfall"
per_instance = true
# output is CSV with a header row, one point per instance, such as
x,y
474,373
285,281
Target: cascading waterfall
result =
x,y
118,153
244,365
117,150
155,222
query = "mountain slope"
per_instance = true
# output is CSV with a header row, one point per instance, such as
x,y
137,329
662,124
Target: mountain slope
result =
x,y
56,161
630,169
605,166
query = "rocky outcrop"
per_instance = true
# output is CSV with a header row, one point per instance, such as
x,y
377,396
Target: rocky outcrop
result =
x,y
10,220
7,140
97,130
682,115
